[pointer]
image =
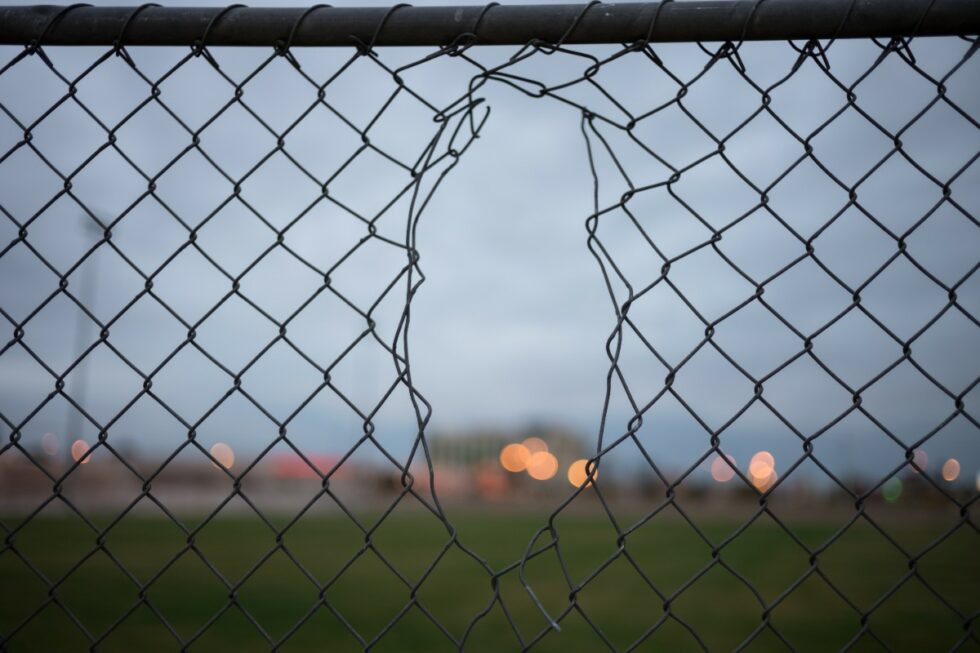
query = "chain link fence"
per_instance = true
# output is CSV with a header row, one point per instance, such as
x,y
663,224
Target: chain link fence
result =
x,y
835,230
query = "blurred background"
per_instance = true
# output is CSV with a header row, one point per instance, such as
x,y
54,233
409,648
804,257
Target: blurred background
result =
x,y
507,344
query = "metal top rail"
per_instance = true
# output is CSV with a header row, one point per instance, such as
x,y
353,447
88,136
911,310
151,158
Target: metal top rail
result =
x,y
686,20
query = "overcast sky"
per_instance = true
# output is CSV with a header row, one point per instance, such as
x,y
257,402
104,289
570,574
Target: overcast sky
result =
x,y
511,323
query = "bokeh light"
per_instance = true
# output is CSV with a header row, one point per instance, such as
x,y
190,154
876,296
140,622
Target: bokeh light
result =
x,y
763,484
951,470
78,450
535,445
223,454
49,443
762,470
542,465
577,474
721,471
920,458
514,457
892,489
762,465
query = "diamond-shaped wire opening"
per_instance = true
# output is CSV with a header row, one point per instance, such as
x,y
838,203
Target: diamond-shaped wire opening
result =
x,y
898,195
232,627
728,289
54,539
189,269
410,538
322,142
711,387
711,596
713,193
720,80
908,424
193,189
282,484
187,615
949,263
807,198
345,590
939,568
98,592
101,484
763,150
105,299
52,628
802,412
826,298
32,591
67,137
621,623
211,384
880,93
766,556
756,339
281,381
807,98
739,245
63,233
849,146
853,248
148,235
942,141
650,540
419,628
211,95
277,594
321,627
856,349
266,285
152,138
144,539
236,143
456,590
46,89
865,583
19,301
22,204
840,621
932,622
141,628
18,363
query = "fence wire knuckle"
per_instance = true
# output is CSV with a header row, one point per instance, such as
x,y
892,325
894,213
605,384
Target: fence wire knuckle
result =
x,y
604,130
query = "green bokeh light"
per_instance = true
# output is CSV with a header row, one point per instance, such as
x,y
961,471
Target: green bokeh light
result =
x,y
892,489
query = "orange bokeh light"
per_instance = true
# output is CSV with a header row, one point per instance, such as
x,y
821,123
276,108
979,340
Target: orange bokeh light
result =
x,y
514,457
542,465
762,465
951,470
721,471
78,450
762,470
763,484
534,445
577,474
223,454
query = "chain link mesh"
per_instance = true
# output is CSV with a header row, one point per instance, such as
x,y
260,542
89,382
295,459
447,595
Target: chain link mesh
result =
x,y
625,201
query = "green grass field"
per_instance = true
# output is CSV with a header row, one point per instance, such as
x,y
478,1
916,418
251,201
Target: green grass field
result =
x,y
719,607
